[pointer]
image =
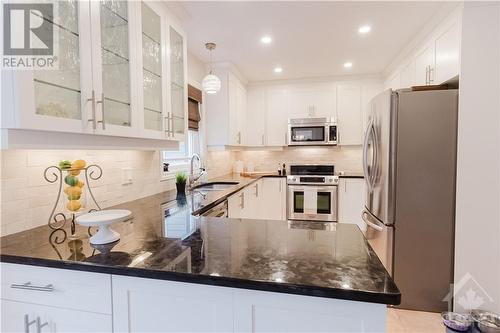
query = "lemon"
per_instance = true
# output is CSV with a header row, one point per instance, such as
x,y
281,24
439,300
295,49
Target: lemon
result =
x,y
74,196
78,164
73,190
80,184
71,180
73,205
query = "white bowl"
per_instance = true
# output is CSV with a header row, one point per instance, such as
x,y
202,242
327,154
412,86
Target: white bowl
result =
x,y
103,219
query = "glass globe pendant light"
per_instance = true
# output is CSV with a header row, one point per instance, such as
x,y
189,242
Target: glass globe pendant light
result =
x,y
211,83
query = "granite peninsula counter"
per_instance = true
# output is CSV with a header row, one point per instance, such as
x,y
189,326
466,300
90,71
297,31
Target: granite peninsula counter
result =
x,y
332,262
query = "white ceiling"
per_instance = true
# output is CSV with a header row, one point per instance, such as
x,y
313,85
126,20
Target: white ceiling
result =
x,y
310,39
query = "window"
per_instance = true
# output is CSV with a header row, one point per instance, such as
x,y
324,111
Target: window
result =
x,y
178,160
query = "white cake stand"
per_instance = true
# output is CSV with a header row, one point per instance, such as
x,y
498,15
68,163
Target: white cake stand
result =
x,y
103,220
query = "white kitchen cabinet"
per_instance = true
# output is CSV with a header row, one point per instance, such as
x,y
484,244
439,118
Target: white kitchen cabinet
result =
x,y
277,117
272,203
177,122
235,205
115,67
153,80
28,317
448,54
262,199
147,305
425,66
111,79
55,100
351,201
311,102
226,111
263,312
255,129
49,294
350,115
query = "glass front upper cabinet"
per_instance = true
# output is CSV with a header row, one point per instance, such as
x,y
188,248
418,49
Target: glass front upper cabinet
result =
x,y
178,97
152,69
57,93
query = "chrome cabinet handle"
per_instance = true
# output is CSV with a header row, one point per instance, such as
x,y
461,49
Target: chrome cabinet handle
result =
x,y
431,70
242,203
103,122
426,75
39,325
92,99
29,286
262,139
256,190
171,124
166,123
27,323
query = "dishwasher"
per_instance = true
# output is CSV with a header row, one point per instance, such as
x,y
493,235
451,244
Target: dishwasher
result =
x,y
218,211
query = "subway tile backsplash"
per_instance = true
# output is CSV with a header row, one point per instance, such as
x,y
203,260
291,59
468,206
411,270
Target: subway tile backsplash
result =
x,y
26,199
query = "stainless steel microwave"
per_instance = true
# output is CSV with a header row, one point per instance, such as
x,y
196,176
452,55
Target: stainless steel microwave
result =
x,y
311,131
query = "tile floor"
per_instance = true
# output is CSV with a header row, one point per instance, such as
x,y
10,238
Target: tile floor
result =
x,y
407,321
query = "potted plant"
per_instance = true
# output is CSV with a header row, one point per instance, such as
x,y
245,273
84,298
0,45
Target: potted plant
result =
x,y
180,182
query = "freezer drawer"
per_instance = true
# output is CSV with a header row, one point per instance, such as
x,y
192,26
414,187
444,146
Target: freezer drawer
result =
x,y
381,239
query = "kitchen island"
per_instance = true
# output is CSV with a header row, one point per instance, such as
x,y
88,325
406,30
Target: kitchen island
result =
x,y
204,274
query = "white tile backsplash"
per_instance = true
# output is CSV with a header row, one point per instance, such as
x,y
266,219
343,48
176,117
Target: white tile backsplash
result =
x,y
344,158
26,199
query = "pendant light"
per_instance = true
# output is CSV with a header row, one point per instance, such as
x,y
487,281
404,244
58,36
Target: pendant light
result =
x,y
211,83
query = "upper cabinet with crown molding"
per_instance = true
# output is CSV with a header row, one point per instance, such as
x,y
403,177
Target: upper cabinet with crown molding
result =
x,y
226,111
434,61
116,78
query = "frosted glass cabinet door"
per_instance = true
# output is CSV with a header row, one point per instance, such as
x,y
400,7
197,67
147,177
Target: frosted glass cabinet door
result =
x,y
113,60
55,99
178,93
152,37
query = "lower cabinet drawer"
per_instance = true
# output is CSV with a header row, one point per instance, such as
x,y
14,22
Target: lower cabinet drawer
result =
x,y
56,287
26,317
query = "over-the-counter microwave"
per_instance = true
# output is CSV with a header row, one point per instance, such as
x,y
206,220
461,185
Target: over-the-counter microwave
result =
x,y
312,131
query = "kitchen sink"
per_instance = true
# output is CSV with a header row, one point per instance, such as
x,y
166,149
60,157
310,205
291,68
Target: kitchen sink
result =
x,y
215,186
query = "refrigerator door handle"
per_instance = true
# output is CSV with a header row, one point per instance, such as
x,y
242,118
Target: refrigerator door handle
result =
x,y
365,156
372,222
375,161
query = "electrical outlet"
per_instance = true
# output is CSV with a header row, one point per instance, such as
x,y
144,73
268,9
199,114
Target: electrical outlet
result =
x,y
127,177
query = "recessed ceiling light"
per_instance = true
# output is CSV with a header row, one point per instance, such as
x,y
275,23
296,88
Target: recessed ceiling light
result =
x,y
348,64
266,40
364,29
278,69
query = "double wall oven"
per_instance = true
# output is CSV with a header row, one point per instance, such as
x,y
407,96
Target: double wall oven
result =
x,y
312,131
312,193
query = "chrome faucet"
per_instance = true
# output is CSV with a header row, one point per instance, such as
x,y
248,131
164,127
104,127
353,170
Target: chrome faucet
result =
x,y
192,177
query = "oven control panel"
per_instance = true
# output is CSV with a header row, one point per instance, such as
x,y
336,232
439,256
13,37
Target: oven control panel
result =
x,y
313,180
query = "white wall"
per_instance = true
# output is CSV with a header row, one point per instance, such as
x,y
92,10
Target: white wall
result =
x,y
196,69
477,243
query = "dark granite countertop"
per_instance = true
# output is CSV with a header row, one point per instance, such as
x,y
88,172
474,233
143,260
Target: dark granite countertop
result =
x,y
315,259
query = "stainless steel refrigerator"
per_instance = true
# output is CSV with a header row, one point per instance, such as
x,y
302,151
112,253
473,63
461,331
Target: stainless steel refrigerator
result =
x,y
409,162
